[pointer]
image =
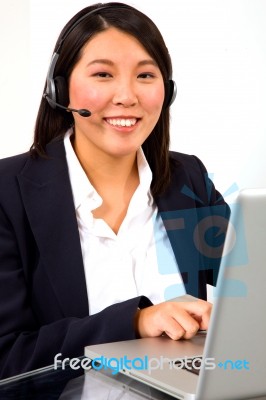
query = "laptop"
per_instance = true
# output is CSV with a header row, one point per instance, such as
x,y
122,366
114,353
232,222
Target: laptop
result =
x,y
229,362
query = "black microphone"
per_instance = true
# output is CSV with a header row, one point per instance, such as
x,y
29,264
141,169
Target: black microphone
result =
x,y
83,112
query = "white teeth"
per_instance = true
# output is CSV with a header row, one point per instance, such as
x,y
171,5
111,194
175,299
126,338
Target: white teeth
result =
x,y
122,122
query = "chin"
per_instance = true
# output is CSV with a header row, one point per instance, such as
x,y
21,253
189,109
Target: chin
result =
x,y
123,150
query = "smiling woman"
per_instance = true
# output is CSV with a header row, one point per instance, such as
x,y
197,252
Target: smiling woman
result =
x,y
124,94
96,228
83,31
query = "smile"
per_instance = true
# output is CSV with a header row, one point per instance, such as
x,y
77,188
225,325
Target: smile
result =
x,y
122,121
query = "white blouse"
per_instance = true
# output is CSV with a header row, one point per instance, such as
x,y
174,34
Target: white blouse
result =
x,y
139,259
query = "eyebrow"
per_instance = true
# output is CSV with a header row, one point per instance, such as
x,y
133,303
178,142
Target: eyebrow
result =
x,y
111,63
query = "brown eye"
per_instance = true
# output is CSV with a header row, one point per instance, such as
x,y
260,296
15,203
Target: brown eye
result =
x,y
146,75
103,75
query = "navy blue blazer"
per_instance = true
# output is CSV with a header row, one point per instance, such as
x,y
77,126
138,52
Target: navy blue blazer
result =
x,y
43,297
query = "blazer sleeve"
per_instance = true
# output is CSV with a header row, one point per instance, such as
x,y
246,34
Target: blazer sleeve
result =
x,y
25,343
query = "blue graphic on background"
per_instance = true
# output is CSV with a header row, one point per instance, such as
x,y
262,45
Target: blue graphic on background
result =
x,y
174,291
197,238
208,182
231,288
166,260
238,251
236,256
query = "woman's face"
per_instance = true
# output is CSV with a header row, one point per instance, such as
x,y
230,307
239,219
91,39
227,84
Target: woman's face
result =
x,y
118,81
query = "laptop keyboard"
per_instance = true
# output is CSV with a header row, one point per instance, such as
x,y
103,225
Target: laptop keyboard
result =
x,y
192,365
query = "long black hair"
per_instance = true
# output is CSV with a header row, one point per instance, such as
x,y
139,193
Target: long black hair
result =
x,y
53,123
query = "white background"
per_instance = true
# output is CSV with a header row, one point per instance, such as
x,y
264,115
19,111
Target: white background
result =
x,y
218,48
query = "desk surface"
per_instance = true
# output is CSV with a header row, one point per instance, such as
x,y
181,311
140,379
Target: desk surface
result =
x,y
68,384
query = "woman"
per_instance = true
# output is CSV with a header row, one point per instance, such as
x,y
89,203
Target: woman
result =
x,y
96,221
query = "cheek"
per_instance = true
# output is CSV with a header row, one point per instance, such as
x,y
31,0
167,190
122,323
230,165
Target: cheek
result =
x,y
89,92
92,97
154,98
83,95
155,95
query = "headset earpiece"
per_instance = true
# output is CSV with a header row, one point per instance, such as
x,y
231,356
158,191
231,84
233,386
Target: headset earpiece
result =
x,y
57,92
61,91
170,93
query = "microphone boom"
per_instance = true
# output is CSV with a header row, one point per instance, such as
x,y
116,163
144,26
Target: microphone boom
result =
x,y
82,111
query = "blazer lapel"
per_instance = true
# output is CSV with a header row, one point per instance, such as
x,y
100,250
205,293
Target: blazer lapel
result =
x,y
47,197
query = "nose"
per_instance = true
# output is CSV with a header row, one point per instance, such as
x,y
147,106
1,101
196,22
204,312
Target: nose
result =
x,y
125,94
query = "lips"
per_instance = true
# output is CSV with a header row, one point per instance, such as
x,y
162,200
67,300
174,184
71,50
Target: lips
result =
x,y
124,122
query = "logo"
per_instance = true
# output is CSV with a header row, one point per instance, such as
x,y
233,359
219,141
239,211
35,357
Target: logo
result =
x,y
124,364
197,237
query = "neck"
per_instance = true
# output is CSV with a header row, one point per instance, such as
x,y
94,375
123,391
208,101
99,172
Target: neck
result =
x,y
115,178
107,171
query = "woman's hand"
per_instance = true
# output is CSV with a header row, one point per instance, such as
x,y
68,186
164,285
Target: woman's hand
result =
x,y
176,319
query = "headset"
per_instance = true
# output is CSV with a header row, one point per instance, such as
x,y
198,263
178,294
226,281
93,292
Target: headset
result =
x,y
56,91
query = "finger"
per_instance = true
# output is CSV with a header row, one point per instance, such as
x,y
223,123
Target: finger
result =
x,y
189,324
178,322
200,310
165,322
173,329
204,324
